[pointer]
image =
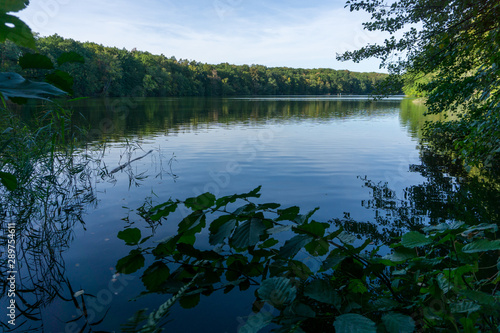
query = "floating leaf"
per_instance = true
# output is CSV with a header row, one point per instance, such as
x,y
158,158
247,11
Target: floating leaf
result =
x,y
131,263
398,323
277,291
15,30
155,275
8,180
248,233
35,61
131,236
481,245
14,85
415,239
354,323
71,57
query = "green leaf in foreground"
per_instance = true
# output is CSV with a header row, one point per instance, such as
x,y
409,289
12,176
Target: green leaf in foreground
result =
x,y
14,85
481,245
131,236
248,233
155,275
15,30
13,5
277,291
35,61
414,239
131,263
8,180
398,323
354,323
71,57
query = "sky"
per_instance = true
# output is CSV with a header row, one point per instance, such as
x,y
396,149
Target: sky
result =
x,y
293,33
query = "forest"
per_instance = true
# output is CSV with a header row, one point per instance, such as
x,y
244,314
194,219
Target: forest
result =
x,y
113,72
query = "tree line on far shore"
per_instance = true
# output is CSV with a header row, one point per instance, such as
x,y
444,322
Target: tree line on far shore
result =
x,y
114,72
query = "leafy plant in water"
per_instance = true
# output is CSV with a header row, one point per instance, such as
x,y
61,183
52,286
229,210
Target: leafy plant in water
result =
x,y
444,277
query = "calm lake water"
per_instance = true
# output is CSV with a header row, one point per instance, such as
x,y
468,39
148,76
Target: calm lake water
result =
x,y
305,151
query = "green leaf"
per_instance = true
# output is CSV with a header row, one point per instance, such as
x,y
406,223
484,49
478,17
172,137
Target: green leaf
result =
x,y
300,310
332,262
194,222
478,296
317,247
398,323
201,202
288,214
294,245
15,30
269,243
346,237
13,5
322,291
301,219
70,57
315,228
131,236
256,322
35,61
8,180
232,198
481,245
402,254
277,291
268,206
354,323
131,263
248,233
61,80
163,210
465,307
189,301
155,275
221,228
414,239
14,85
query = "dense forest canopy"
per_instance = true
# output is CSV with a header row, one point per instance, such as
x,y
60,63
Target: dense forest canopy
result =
x,y
109,71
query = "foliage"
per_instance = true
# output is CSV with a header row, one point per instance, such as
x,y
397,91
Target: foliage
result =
x,y
444,277
451,49
11,27
117,72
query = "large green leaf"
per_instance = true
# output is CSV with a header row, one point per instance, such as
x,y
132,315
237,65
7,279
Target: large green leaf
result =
x,y
189,301
256,322
194,222
14,85
61,80
221,228
277,291
248,233
481,245
12,5
294,245
131,263
35,61
201,202
398,323
415,239
8,180
15,30
155,275
131,236
322,291
354,323
70,57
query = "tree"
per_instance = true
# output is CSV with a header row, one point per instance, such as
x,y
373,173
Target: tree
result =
x,y
454,44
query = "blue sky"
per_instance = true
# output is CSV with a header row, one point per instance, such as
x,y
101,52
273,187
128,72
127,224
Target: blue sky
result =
x,y
292,33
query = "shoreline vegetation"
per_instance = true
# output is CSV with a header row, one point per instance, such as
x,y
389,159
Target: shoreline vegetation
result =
x,y
112,72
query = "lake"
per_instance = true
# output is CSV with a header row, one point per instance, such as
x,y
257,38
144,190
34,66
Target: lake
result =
x,y
304,151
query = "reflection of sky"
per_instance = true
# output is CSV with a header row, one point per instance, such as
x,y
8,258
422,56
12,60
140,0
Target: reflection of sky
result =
x,y
304,34
307,163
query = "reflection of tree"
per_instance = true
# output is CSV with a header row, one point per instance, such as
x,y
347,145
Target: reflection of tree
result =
x,y
448,194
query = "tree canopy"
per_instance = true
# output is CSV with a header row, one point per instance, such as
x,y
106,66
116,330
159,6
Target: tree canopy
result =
x,y
451,49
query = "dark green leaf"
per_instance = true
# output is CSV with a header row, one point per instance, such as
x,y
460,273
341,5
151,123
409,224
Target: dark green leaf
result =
x,y
232,198
465,307
269,243
221,228
71,57
201,202
294,245
12,5
277,291
481,245
268,206
480,297
163,210
301,310
398,323
313,228
8,180
155,275
323,291
317,247
288,214
301,219
332,262
256,322
248,233
166,248
35,61
414,239
402,254
131,263
14,85
354,323
194,222
190,301
15,30
61,80
131,236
